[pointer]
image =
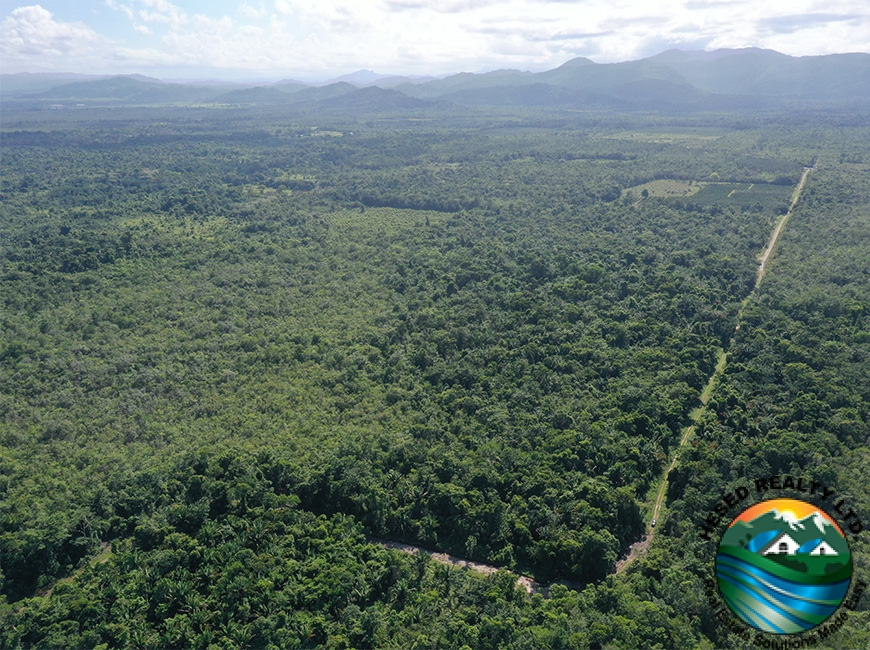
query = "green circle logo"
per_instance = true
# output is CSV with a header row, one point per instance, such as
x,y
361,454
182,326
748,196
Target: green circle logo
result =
x,y
783,566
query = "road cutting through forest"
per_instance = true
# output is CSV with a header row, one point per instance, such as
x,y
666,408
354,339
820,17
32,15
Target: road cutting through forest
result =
x,y
774,238
639,548
525,582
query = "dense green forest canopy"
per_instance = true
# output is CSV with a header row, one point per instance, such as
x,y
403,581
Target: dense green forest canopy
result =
x,y
236,347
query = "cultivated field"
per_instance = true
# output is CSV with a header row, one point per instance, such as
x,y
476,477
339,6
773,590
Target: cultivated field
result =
x,y
664,188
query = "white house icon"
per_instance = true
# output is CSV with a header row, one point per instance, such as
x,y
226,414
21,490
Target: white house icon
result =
x,y
823,549
782,545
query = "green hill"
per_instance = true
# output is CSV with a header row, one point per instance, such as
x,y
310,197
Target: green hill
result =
x,y
767,73
373,99
257,95
674,80
745,79
126,90
795,568
802,531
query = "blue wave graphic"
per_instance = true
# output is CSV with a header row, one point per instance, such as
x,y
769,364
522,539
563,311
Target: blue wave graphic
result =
x,y
831,593
785,606
751,617
771,603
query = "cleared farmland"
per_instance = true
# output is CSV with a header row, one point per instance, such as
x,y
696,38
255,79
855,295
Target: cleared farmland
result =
x,y
664,188
758,196
761,196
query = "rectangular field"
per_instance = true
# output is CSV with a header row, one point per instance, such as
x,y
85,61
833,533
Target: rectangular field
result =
x,y
761,196
758,196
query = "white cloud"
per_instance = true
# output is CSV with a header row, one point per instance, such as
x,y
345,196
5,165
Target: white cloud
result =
x,y
163,12
327,37
331,14
126,9
440,6
162,6
146,16
248,11
31,35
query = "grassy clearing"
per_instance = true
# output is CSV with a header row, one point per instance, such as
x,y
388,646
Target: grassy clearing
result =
x,y
685,137
385,220
315,132
288,176
761,196
721,362
664,188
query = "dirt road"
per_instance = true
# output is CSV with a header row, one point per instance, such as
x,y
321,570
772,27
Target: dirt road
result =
x,y
525,582
639,548
774,238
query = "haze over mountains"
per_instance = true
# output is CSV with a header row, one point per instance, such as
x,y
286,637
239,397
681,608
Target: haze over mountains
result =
x,y
673,80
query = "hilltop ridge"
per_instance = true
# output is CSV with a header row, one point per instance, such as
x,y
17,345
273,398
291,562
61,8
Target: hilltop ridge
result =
x,y
727,79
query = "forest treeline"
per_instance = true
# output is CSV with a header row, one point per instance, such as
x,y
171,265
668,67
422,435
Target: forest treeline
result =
x,y
232,351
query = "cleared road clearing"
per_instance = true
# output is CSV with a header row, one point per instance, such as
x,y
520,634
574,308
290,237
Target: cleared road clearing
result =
x,y
639,549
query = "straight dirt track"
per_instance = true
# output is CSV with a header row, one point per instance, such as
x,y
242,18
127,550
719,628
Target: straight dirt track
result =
x,y
639,548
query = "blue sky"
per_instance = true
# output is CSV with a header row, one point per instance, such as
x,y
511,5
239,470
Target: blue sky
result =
x,y
317,39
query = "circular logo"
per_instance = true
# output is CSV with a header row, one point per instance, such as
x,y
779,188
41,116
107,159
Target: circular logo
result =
x,y
783,566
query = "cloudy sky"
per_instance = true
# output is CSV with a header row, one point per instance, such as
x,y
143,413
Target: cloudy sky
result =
x,y
315,39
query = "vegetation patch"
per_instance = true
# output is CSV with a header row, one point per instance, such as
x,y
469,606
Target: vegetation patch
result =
x,y
664,188
382,220
409,339
696,137
759,196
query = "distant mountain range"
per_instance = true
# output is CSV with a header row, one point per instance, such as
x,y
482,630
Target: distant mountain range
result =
x,y
671,81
